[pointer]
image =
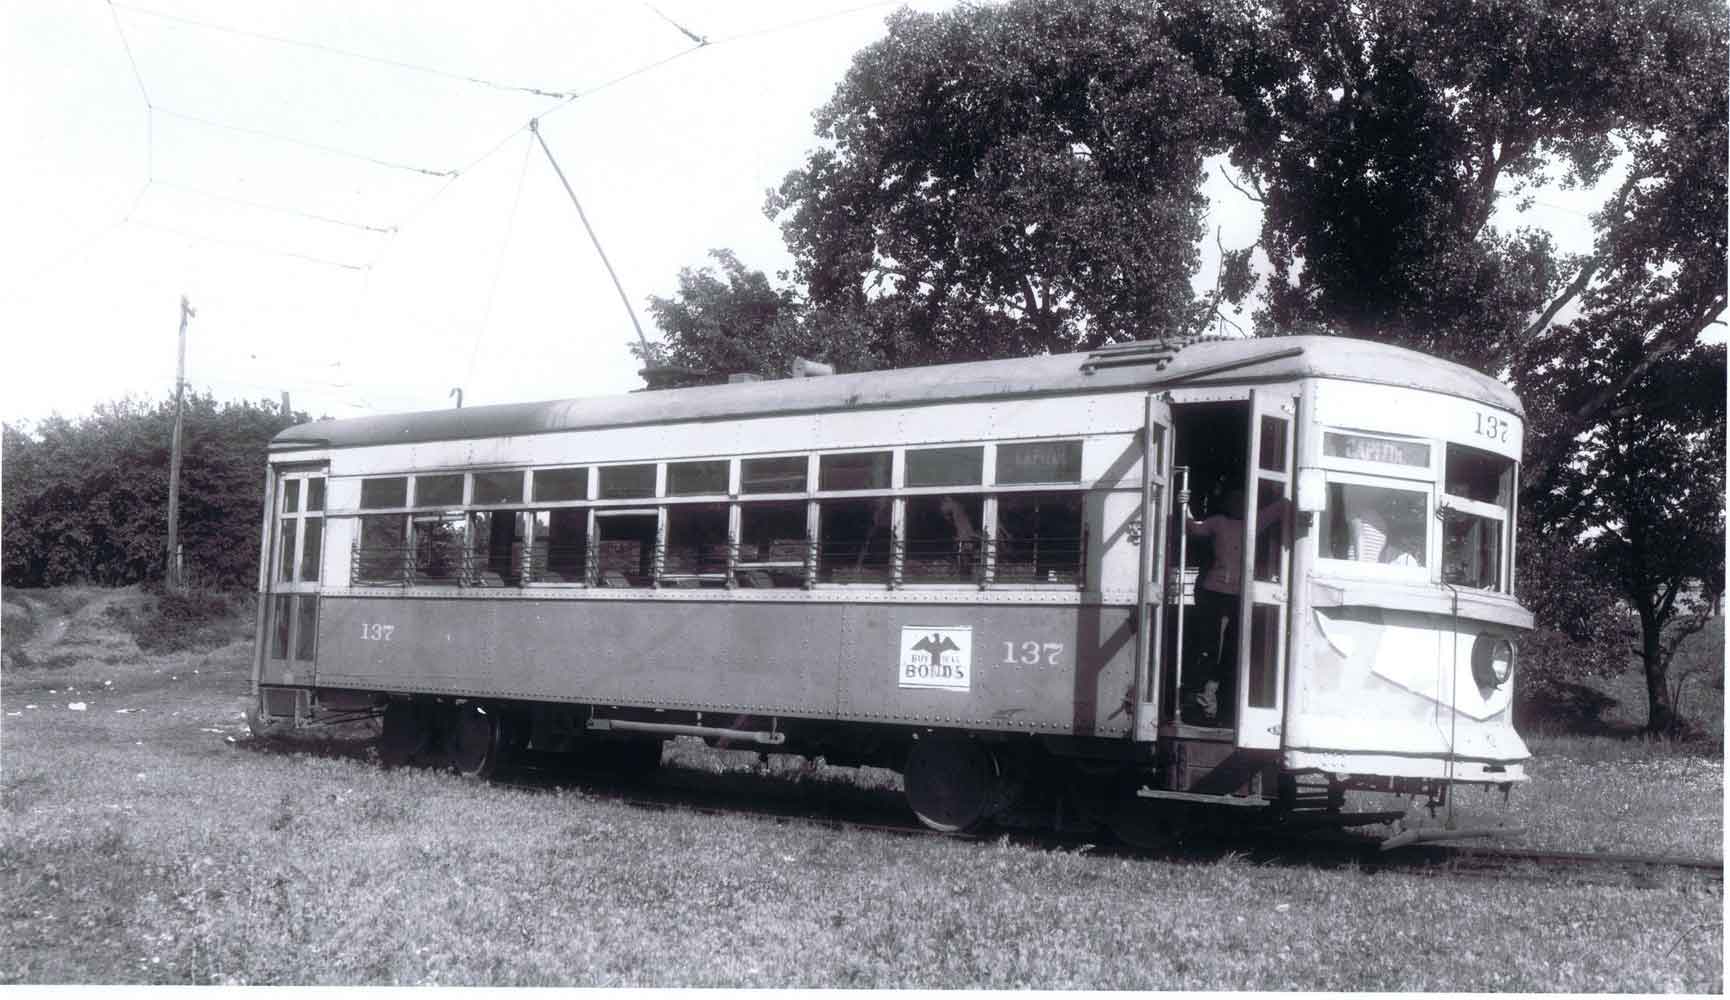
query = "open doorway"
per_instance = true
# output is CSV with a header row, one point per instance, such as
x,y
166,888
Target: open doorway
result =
x,y
1199,666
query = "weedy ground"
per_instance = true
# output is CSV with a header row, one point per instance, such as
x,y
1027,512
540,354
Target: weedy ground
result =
x,y
145,839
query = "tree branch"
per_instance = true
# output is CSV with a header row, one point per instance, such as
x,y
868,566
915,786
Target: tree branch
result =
x,y
1539,473
1587,270
1259,196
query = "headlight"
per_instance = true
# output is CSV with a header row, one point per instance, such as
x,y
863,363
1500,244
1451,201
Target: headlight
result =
x,y
1492,660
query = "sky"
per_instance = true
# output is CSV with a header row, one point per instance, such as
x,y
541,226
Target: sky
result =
x,y
368,234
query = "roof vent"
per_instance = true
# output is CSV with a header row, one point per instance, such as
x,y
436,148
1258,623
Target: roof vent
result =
x,y
807,369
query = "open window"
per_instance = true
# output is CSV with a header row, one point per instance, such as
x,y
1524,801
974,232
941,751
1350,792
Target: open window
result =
x,y
1478,497
853,542
772,544
498,552
696,553
381,553
942,539
1039,538
441,549
625,548
559,551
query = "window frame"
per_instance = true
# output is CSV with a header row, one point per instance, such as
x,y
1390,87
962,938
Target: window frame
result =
x,y
1427,573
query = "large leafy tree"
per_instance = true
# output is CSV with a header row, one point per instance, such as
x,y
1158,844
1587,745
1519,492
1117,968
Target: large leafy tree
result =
x,y
1001,180
86,500
1381,140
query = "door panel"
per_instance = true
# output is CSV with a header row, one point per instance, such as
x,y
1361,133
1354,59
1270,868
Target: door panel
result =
x,y
291,604
1150,590
1263,610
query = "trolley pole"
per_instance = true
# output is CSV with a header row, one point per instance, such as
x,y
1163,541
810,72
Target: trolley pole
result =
x,y
174,574
535,128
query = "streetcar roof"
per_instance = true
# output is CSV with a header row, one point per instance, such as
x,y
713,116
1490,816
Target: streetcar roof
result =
x,y
1203,363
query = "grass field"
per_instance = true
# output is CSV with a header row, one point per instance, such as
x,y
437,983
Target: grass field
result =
x,y
146,839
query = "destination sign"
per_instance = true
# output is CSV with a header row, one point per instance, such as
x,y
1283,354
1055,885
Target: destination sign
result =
x,y
1362,448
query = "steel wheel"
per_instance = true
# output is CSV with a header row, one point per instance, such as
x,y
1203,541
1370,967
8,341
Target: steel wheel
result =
x,y
475,740
406,737
950,783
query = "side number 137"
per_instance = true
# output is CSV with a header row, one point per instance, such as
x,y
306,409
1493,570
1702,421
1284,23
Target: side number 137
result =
x,y
1032,653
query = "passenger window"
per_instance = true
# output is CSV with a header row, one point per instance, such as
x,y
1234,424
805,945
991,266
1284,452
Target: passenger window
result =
x,y
1039,462
625,549
438,491
625,482
552,485
315,495
559,548
854,540
1039,538
290,496
498,552
686,479
441,552
696,545
942,535
773,475
376,494
945,466
860,471
382,556
498,487
772,544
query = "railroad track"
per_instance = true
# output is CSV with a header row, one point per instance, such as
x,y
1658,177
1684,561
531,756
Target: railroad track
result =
x,y
695,791
842,806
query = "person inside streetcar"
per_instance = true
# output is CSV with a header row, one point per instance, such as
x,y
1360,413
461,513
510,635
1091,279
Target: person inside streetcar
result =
x,y
1209,673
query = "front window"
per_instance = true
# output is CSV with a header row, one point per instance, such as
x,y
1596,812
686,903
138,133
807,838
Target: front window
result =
x,y
1375,525
1477,499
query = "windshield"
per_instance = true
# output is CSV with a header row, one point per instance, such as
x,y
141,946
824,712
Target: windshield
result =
x,y
1378,525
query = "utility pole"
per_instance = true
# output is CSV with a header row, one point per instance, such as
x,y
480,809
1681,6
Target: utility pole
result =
x,y
174,568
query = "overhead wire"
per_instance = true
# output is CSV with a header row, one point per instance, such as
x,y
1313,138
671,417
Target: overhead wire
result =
x,y
333,50
201,237
143,92
562,100
321,147
499,264
231,199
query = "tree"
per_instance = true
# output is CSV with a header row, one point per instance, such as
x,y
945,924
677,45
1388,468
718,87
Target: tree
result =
x,y
1646,492
733,320
1381,138
87,500
1007,180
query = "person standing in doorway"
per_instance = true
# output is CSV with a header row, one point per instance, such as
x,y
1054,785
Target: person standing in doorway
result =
x,y
1216,603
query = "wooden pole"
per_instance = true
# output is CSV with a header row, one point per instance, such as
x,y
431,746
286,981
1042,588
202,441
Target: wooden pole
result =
x,y
174,576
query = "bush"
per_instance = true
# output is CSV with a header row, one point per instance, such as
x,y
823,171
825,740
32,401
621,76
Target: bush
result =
x,y
194,620
87,501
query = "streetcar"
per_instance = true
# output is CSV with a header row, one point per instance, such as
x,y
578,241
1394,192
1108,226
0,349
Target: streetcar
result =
x,y
990,577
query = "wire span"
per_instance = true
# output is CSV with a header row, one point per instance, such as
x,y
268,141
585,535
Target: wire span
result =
x,y
333,150
332,50
183,234
214,196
